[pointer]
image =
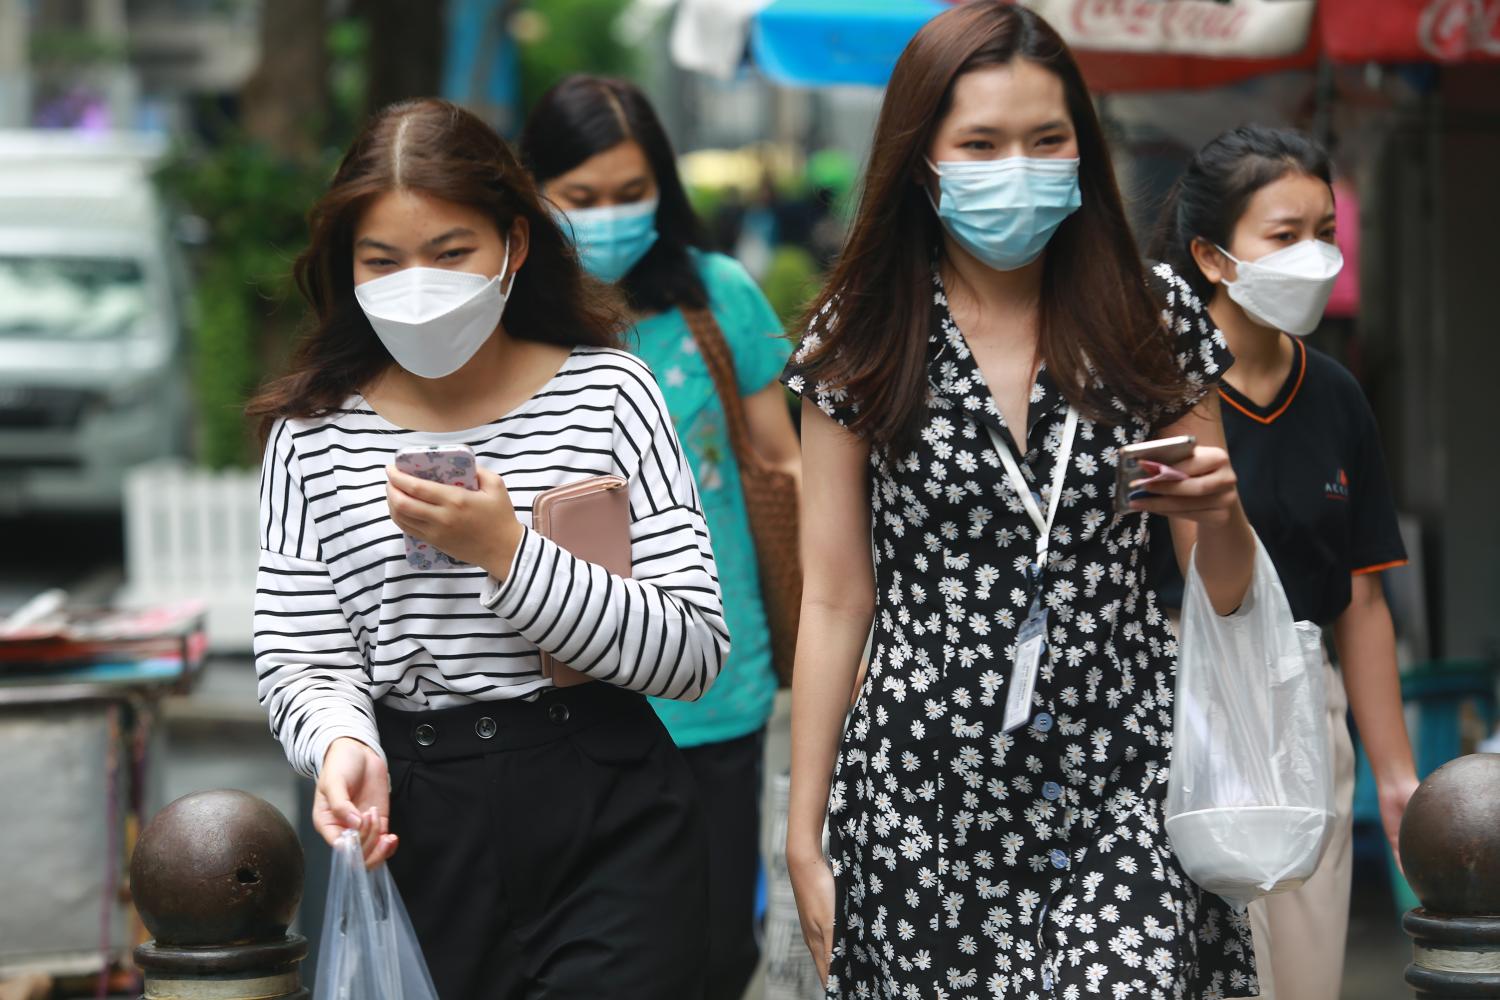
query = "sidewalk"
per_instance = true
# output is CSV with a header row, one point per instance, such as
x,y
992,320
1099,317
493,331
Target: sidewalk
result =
x,y
218,738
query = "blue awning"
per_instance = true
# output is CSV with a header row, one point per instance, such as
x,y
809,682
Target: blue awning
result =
x,y
811,43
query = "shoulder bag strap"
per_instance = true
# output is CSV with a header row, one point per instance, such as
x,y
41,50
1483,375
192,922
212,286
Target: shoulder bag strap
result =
x,y
720,362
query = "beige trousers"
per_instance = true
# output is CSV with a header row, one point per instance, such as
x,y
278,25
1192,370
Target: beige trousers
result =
x,y
1299,935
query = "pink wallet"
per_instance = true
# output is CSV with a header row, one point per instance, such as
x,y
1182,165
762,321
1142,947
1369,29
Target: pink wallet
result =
x,y
591,520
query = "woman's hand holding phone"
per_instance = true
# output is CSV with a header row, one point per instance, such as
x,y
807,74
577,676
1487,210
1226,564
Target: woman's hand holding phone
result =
x,y
1201,488
354,793
477,526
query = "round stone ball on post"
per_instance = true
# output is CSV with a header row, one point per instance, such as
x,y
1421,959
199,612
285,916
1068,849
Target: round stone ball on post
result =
x,y
1450,850
216,878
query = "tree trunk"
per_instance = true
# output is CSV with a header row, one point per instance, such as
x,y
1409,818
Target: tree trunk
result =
x,y
285,102
405,54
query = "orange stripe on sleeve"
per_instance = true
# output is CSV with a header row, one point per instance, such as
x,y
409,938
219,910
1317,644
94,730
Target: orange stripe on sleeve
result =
x,y
1378,568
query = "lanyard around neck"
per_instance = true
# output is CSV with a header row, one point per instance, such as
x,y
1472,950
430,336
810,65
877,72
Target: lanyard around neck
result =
x,y
1059,471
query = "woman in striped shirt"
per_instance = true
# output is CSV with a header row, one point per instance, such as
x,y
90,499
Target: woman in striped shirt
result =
x,y
550,841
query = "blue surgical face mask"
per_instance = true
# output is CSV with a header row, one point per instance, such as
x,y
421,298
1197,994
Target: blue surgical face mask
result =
x,y
1004,211
613,239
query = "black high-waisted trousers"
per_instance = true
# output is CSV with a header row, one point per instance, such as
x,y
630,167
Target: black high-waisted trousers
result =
x,y
549,849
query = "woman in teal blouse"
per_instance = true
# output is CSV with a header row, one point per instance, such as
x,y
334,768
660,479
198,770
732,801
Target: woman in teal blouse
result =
x,y
602,157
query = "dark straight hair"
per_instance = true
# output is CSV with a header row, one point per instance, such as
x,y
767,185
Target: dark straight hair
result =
x,y
1212,194
441,150
583,116
1096,306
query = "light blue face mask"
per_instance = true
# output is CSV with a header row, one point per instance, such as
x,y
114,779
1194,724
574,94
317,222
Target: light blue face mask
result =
x,y
1004,211
613,239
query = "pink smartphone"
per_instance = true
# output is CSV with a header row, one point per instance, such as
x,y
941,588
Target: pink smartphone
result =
x,y
449,464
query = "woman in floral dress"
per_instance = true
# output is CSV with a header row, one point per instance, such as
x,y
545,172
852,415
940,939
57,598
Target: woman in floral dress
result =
x,y
994,805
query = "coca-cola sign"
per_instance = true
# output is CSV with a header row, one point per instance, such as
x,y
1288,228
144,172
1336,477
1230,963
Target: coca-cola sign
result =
x,y
1450,30
1254,29
1410,30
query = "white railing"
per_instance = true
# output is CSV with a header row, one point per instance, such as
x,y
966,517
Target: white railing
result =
x,y
191,534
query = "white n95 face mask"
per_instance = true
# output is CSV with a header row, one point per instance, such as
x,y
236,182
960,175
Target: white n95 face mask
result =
x,y
1288,289
433,320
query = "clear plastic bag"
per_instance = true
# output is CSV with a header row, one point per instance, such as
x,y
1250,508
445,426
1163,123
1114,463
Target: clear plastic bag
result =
x,y
1250,796
369,949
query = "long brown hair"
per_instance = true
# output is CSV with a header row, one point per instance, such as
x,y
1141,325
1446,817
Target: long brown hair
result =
x,y
1095,303
441,150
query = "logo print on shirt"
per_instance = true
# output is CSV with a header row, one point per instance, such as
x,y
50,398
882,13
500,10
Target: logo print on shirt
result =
x,y
1339,488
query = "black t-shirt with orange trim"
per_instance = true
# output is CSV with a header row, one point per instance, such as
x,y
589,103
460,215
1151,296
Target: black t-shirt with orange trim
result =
x,y
1313,482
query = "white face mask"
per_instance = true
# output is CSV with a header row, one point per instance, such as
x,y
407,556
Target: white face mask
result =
x,y
1288,289
432,320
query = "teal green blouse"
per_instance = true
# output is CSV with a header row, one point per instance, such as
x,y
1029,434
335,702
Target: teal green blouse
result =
x,y
739,703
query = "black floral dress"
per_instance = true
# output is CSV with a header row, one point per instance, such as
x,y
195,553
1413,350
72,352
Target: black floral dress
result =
x,y
972,863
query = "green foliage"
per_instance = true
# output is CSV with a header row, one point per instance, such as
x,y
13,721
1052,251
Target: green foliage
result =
x,y
706,201
225,369
71,47
254,205
348,44
791,281
568,36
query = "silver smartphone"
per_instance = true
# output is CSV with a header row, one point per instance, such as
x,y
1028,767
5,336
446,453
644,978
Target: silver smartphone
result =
x,y
1167,451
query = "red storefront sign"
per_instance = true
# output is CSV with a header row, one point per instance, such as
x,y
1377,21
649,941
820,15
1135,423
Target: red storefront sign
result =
x,y
1352,31
1410,30
1256,29
1138,45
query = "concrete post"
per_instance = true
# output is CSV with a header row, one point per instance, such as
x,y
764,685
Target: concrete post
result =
x,y
217,877
1450,848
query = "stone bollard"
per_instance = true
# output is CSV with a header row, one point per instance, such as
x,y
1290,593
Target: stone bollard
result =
x,y
1450,848
216,878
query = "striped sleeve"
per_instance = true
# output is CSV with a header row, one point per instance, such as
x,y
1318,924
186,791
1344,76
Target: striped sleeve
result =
x,y
661,632
310,672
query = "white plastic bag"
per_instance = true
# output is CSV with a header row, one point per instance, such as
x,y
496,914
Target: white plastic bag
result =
x,y
369,949
1250,796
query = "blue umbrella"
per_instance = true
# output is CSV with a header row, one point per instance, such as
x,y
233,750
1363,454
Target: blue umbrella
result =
x,y
810,43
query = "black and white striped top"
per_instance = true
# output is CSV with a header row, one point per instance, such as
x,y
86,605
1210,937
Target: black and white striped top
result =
x,y
342,621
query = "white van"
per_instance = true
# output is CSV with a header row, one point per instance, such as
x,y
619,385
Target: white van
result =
x,y
92,321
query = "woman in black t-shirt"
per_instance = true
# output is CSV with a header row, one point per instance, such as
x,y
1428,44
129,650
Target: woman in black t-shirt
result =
x,y
1251,228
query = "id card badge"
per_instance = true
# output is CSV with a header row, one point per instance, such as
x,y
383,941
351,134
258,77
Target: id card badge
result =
x,y
1031,640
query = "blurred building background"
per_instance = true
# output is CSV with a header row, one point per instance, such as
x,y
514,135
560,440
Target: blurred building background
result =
x,y
157,158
